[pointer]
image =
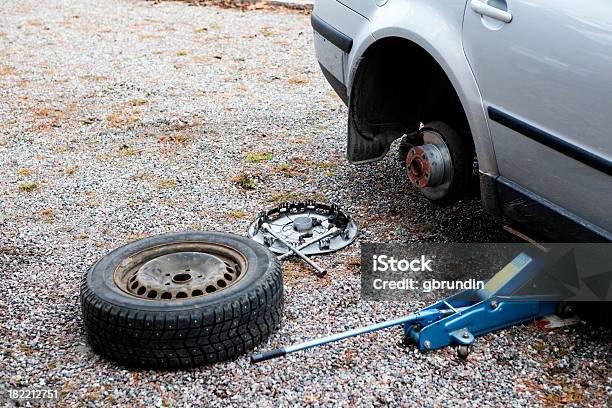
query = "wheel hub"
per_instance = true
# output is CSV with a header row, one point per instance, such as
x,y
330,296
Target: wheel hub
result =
x,y
180,271
429,165
425,165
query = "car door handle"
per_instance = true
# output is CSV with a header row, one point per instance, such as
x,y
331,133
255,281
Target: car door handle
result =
x,y
486,10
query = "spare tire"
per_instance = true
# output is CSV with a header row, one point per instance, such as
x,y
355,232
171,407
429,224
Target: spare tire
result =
x,y
182,300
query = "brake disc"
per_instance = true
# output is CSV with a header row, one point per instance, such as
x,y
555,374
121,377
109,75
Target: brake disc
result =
x,y
300,222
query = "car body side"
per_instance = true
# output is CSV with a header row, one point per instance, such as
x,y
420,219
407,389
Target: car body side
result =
x,y
436,28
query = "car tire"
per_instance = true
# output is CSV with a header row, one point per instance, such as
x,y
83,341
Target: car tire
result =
x,y
176,329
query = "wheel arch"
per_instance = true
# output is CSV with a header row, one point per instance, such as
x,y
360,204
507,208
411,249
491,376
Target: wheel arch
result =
x,y
445,50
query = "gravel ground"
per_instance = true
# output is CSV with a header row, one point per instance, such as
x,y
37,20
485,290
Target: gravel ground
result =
x,y
125,119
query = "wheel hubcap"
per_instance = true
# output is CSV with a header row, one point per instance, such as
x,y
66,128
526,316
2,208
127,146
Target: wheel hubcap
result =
x,y
180,271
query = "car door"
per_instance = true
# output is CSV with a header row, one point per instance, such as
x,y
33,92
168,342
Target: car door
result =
x,y
544,70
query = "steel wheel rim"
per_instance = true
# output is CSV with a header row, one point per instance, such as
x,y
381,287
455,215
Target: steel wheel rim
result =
x,y
180,271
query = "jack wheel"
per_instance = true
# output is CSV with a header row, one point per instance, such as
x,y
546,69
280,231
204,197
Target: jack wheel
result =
x,y
463,351
566,309
406,342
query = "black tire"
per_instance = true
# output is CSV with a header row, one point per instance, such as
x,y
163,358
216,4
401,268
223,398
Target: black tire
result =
x,y
188,332
461,162
566,309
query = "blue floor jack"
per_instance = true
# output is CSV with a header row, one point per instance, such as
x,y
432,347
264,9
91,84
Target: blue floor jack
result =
x,y
455,321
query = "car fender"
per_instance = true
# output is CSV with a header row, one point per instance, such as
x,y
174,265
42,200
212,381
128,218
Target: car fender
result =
x,y
437,28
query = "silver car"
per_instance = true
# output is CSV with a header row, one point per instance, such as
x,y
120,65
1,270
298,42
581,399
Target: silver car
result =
x,y
519,89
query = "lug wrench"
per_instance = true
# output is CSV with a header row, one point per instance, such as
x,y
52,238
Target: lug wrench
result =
x,y
331,232
299,253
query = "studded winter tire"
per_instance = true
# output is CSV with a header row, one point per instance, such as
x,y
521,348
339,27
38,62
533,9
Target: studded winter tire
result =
x,y
182,300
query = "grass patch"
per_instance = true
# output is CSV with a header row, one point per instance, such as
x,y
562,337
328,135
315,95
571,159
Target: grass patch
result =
x,y
6,70
166,183
288,170
176,137
181,53
69,171
281,198
28,186
47,213
141,176
354,261
122,118
570,395
25,349
127,151
268,32
24,172
237,214
137,102
313,164
298,166
539,346
259,157
244,181
44,112
298,81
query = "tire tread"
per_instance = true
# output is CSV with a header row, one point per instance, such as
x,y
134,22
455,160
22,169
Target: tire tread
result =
x,y
172,339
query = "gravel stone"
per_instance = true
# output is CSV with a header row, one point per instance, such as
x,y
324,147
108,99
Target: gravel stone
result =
x,y
121,119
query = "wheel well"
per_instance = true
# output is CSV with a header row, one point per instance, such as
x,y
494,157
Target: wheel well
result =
x,y
397,86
